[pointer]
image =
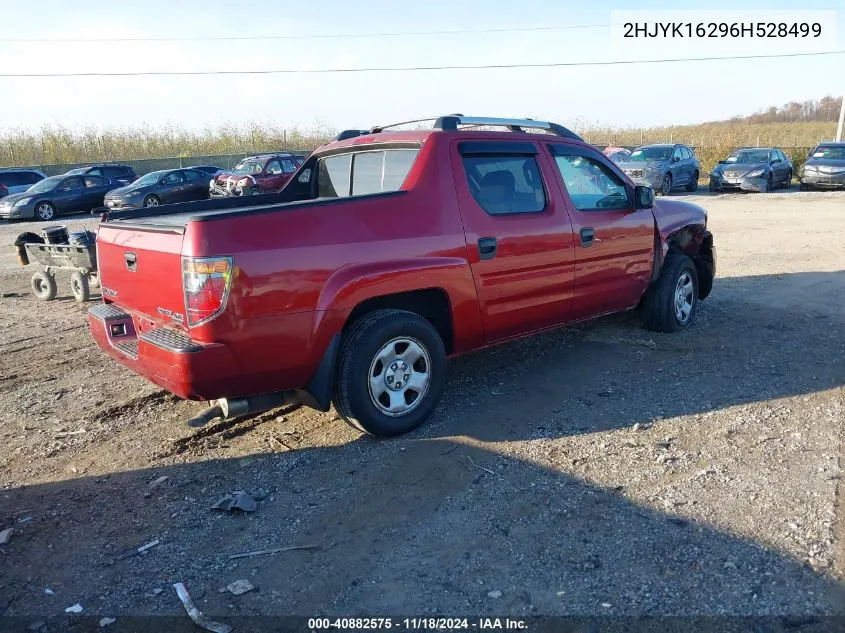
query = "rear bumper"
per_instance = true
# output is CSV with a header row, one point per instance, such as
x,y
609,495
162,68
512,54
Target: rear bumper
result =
x,y
166,357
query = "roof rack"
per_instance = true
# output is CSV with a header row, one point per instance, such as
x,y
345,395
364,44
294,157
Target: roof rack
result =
x,y
451,122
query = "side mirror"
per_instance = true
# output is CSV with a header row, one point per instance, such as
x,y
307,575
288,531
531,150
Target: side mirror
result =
x,y
643,197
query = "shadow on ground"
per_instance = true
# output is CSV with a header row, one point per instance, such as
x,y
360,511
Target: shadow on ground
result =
x,y
427,524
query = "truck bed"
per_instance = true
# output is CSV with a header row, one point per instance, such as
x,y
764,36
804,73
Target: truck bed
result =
x,y
203,210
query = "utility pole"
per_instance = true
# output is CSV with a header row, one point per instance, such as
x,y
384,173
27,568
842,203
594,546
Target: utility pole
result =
x,y
841,120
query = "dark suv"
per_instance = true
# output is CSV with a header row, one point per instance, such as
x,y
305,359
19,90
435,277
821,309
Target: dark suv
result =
x,y
18,180
120,174
663,167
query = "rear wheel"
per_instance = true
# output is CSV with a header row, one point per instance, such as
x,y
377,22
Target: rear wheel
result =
x,y
666,185
390,373
693,183
45,211
44,286
151,201
79,287
671,301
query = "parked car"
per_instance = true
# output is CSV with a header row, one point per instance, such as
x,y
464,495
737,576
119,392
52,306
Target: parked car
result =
x,y
617,154
54,195
752,169
825,167
210,170
386,253
663,167
118,174
160,187
257,174
17,180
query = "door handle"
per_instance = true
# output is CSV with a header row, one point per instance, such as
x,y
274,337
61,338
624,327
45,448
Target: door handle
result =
x,y
588,235
487,247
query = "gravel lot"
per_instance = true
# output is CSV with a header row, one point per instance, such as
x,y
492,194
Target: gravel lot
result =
x,y
598,470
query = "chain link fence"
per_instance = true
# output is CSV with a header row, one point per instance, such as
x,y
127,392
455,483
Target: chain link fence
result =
x,y
145,165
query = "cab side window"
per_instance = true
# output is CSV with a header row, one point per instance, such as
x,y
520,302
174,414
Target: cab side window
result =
x,y
591,185
505,184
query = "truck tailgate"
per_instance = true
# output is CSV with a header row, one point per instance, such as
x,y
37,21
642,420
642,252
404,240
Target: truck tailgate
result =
x,y
141,270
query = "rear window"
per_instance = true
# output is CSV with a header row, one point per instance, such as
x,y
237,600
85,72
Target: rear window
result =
x,y
115,172
364,173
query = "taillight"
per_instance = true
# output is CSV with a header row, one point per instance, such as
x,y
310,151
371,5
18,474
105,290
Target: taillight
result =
x,y
206,282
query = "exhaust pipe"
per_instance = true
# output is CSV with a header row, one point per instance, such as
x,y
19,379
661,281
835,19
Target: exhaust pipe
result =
x,y
226,408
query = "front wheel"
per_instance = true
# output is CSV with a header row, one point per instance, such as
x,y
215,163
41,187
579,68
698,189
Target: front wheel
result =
x,y
80,287
666,185
713,187
671,301
390,372
693,183
44,286
45,211
151,201
788,182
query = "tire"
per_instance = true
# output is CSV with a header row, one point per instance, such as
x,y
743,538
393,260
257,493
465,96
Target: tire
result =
x,y
151,201
693,184
712,188
804,187
770,184
788,182
666,185
662,309
44,286
45,211
386,333
79,287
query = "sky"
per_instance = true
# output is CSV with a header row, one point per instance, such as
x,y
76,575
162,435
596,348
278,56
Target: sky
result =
x,y
629,95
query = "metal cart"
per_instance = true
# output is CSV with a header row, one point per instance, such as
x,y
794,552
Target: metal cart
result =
x,y
81,259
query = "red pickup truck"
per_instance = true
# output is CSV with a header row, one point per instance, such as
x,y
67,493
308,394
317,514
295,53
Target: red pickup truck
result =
x,y
387,252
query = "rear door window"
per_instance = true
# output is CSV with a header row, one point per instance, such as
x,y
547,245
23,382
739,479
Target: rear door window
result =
x,y
192,174
95,181
10,179
273,167
289,166
505,184
71,184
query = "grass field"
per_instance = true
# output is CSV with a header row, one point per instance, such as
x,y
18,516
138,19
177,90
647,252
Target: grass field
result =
x,y
58,145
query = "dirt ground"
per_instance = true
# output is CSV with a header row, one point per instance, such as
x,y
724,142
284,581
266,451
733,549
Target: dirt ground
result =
x,y
597,470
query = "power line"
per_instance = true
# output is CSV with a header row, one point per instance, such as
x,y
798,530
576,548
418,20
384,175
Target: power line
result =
x,y
305,71
242,38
